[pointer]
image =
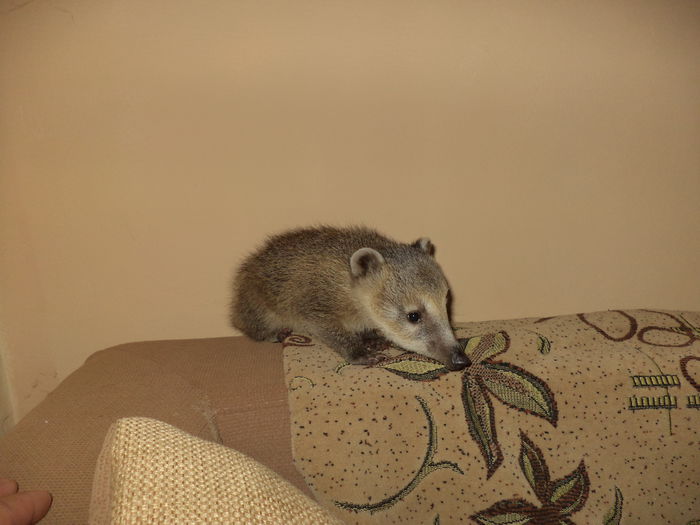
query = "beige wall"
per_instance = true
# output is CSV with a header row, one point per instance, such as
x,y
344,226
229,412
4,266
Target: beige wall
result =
x,y
550,149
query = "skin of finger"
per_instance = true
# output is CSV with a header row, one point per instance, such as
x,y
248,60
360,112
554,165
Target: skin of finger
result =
x,y
24,508
7,487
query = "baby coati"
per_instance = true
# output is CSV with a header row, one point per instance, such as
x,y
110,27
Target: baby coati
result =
x,y
349,287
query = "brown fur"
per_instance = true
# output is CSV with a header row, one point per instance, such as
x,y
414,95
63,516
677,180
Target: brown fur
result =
x,y
345,286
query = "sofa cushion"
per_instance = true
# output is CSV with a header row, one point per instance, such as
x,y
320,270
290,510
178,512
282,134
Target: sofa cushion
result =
x,y
150,472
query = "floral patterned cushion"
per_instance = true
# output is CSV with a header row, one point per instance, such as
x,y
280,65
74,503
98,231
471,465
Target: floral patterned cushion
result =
x,y
588,418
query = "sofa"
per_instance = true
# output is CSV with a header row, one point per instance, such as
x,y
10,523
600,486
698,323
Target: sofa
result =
x,y
585,418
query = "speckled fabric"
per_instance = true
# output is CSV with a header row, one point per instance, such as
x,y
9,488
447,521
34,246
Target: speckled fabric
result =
x,y
589,418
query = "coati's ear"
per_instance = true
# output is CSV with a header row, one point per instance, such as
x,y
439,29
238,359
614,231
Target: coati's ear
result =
x,y
365,261
424,245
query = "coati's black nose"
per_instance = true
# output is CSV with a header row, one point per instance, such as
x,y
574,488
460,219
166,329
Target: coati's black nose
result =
x,y
459,361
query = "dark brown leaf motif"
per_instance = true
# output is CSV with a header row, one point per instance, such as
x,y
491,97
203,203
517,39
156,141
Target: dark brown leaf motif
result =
x,y
558,499
481,422
510,384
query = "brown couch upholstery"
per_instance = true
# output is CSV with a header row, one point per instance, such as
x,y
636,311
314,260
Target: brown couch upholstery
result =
x,y
227,390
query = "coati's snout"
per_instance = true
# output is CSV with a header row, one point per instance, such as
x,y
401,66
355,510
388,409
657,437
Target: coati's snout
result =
x,y
458,360
451,355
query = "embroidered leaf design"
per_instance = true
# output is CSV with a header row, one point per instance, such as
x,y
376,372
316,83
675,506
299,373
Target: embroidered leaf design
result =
x,y
570,493
544,345
559,499
342,365
480,419
614,515
534,468
509,518
482,347
298,386
414,367
519,389
507,512
482,379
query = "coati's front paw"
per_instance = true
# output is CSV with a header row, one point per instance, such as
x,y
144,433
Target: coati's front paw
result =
x,y
375,359
360,348
375,343
366,357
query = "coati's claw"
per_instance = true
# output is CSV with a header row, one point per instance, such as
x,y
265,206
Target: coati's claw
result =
x,y
369,359
376,359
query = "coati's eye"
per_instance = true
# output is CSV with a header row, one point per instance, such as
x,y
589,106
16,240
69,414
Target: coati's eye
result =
x,y
413,317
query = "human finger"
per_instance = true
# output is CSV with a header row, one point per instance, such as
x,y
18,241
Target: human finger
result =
x,y
24,508
7,487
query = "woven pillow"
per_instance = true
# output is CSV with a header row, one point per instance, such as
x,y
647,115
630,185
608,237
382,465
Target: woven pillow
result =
x,y
150,472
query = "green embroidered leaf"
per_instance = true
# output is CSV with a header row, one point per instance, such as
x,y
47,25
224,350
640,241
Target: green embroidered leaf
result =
x,y
570,493
614,515
507,512
342,365
483,347
414,367
509,518
519,389
534,467
544,345
292,386
560,498
480,419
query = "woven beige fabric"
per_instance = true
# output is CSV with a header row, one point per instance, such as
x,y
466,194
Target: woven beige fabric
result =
x,y
150,472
